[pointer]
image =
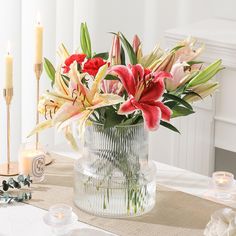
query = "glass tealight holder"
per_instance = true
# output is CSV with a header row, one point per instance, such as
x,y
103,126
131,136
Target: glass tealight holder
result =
x,y
60,214
32,161
60,217
223,183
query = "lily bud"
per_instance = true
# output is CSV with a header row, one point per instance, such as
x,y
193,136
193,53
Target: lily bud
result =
x,y
201,91
166,63
178,74
206,74
114,55
136,43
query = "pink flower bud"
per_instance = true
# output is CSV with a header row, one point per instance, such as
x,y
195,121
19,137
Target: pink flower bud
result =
x,y
114,55
136,43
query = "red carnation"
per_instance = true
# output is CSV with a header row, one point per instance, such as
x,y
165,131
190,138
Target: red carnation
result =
x,y
91,66
79,58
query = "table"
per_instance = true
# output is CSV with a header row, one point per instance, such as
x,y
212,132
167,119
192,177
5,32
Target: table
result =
x,y
26,220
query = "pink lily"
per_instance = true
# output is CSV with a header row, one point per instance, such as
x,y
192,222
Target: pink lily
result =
x,y
76,103
144,90
178,75
188,52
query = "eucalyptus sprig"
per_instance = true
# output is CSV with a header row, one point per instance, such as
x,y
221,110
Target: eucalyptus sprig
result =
x,y
8,198
11,184
17,184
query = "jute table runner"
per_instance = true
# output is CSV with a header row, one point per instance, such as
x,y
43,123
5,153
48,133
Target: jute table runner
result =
x,y
175,214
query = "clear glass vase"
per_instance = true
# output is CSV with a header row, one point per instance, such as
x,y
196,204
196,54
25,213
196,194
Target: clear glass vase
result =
x,y
114,178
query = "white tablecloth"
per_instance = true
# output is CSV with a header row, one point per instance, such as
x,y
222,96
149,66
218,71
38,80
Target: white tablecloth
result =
x,y
26,220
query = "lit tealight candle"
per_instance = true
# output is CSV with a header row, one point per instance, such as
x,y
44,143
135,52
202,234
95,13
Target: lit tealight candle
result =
x,y
223,182
38,41
60,218
60,214
8,69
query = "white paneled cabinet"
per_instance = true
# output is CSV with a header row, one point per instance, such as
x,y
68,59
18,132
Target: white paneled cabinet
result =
x,y
214,124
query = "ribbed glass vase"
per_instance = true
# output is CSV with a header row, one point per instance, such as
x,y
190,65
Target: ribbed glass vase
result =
x,y
114,178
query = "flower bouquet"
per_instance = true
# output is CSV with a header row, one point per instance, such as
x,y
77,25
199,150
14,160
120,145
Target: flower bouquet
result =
x,y
109,101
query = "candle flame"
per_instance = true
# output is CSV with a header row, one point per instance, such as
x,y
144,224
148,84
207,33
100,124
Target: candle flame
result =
x,y
59,215
221,181
38,18
8,47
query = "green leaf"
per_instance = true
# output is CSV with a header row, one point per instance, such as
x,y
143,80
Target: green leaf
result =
x,y
122,56
170,104
177,99
111,77
88,41
66,79
181,111
82,39
193,93
169,126
129,49
176,48
194,62
206,74
103,55
133,120
112,118
50,70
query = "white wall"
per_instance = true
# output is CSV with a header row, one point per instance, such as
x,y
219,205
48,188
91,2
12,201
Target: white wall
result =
x,y
10,25
62,18
47,10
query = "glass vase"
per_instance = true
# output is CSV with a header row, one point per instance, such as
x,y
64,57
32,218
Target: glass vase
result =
x,y
114,177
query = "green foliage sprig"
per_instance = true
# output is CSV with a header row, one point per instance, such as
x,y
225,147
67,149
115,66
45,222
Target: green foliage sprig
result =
x,y
11,184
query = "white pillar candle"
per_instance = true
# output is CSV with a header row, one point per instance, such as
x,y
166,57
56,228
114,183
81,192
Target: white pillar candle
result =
x,y
9,69
38,42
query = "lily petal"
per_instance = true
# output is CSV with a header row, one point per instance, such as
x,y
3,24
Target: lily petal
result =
x,y
127,108
166,112
66,111
137,71
100,75
59,83
69,136
43,125
156,90
126,77
62,52
82,122
151,115
76,77
68,122
102,100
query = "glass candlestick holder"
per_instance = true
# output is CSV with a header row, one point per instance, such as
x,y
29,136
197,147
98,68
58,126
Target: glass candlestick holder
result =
x,y
32,161
223,183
